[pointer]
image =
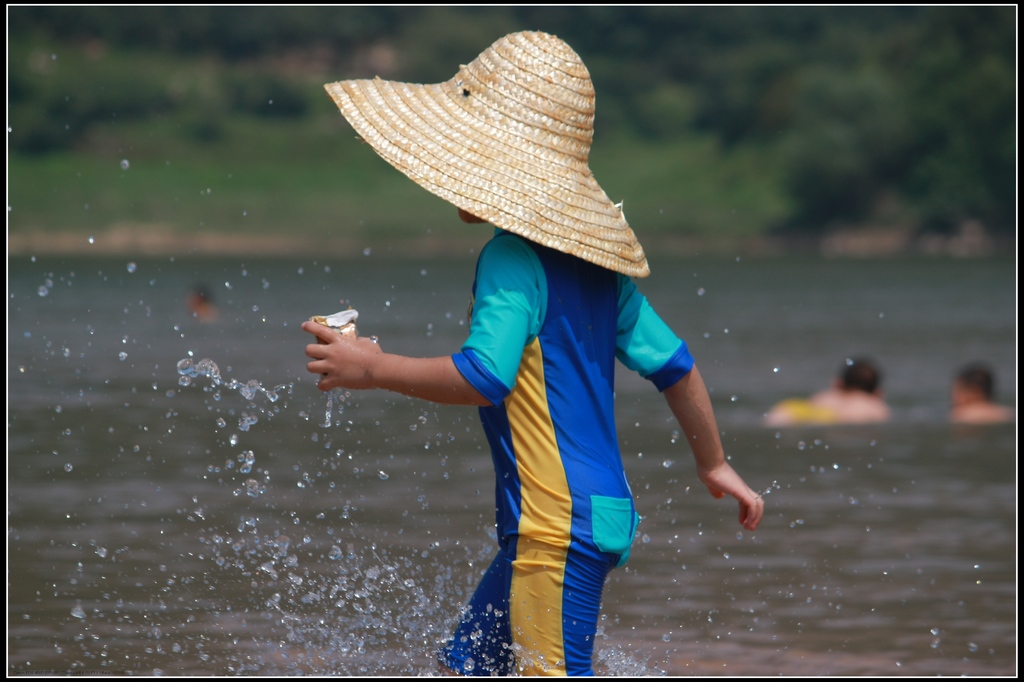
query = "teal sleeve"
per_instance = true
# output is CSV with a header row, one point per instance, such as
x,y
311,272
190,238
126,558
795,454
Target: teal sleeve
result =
x,y
645,344
509,299
480,377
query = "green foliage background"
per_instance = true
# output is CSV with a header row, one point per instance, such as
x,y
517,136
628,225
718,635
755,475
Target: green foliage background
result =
x,y
711,122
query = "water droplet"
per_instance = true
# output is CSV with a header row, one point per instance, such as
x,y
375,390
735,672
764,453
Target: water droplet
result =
x,y
249,390
124,164
700,291
68,467
247,459
44,291
335,553
122,356
383,476
131,267
668,463
78,611
252,488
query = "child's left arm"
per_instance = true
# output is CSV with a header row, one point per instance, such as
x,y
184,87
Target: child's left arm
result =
x,y
359,363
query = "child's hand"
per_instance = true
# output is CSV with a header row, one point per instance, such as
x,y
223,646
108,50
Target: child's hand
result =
x,y
723,480
341,361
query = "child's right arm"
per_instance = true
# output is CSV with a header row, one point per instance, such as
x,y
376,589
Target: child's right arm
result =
x,y
689,401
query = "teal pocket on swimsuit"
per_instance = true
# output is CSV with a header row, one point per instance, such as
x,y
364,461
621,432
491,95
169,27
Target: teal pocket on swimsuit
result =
x,y
614,525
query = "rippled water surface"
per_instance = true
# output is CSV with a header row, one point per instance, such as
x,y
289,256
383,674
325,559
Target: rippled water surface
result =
x,y
194,518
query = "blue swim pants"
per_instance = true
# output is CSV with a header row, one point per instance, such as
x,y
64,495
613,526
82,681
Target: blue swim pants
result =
x,y
534,612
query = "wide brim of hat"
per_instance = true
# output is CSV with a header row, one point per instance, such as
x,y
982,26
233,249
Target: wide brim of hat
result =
x,y
493,163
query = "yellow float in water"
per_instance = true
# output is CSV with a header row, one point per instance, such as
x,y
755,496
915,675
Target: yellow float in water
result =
x,y
803,411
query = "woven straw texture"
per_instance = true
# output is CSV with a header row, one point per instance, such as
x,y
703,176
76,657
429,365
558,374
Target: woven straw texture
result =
x,y
507,139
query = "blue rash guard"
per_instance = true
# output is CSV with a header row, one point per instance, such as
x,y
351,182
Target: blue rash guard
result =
x,y
545,331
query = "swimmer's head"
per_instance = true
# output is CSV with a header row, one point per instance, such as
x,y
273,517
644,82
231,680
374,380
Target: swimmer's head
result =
x,y
860,374
975,380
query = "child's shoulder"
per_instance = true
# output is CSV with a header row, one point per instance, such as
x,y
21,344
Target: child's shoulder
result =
x,y
505,245
508,261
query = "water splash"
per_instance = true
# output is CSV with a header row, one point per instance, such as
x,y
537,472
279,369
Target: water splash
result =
x,y
332,604
335,404
189,370
342,608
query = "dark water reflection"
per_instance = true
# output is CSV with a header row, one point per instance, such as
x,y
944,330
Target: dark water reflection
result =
x,y
140,541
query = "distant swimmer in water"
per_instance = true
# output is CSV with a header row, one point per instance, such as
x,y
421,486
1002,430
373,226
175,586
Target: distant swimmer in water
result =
x,y
855,397
200,304
971,397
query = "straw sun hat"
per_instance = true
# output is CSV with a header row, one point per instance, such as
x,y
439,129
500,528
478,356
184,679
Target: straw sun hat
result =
x,y
507,139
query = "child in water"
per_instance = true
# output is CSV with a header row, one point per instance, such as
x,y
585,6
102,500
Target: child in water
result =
x,y
506,140
855,397
971,397
200,304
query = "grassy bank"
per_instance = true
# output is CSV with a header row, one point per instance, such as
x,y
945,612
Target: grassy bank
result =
x,y
278,187
316,180
711,123
197,146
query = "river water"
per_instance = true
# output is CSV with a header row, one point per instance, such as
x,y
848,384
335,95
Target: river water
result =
x,y
172,516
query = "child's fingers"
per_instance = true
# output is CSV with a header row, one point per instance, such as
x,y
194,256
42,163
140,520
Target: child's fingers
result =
x,y
323,333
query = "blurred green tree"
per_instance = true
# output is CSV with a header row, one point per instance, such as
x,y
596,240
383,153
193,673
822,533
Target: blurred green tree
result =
x,y
860,108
